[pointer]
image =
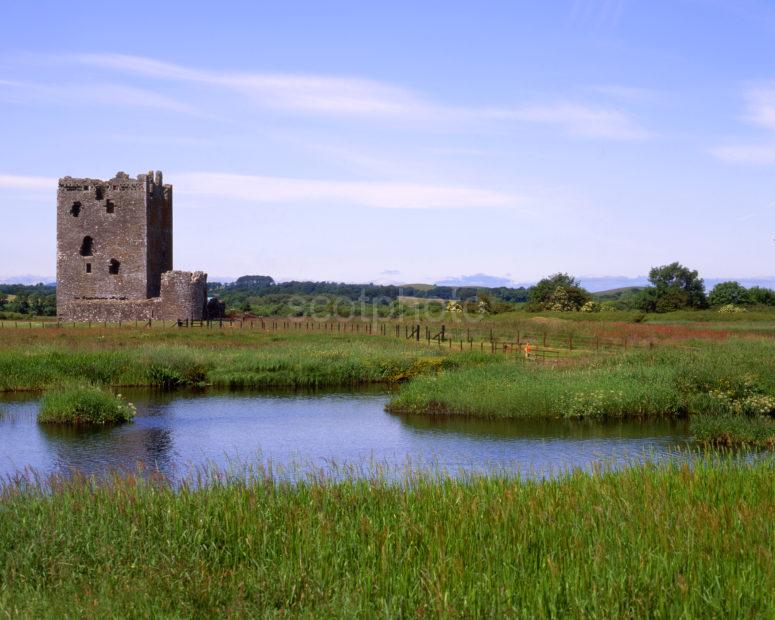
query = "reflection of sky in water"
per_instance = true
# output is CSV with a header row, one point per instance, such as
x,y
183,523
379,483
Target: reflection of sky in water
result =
x,y
173,432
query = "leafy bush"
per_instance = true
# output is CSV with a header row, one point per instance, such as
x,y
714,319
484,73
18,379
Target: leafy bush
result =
x,y
84,405
730,309
557,293
729,294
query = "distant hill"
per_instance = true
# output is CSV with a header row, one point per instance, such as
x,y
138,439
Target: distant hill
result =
x,y
615,294
28,280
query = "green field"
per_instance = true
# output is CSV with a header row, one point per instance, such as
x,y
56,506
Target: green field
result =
x,y
654,541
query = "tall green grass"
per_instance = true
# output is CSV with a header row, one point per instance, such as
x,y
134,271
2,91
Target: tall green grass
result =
x,y
83,405
663,381
311,361
654,541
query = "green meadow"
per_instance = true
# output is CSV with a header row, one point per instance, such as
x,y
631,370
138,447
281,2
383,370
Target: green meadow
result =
x,y
663,541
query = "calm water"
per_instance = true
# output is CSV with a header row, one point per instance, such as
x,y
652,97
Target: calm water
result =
x,y
175,432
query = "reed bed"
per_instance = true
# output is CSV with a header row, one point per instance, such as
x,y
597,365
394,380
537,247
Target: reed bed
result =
x,y
256,361
662,381
652,541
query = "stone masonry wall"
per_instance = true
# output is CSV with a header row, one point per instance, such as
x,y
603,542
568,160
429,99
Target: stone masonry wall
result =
x,y
114,252
111,310
183,295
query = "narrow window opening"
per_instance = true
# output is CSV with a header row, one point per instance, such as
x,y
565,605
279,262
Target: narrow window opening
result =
x,y
110,207
88,267
99,192
113,266
87,246
75,210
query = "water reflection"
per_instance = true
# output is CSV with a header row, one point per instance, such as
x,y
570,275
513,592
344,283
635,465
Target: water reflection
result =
x,y
174,431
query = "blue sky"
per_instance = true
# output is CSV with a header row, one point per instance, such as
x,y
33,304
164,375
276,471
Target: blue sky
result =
x,y
404,141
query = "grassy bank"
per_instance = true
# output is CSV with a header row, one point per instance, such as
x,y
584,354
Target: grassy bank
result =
x,y
651,541
255,361
663,381
726,387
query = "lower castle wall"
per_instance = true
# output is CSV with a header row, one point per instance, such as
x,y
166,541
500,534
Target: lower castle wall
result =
x,y
111,310
183,296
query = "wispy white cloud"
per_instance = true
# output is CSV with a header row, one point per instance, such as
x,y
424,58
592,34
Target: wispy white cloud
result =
x,y
578,120
356,97
114,95
275,190
759,111
760,106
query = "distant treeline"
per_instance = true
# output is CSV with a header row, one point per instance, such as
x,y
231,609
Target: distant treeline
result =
x,y
23,299
246,289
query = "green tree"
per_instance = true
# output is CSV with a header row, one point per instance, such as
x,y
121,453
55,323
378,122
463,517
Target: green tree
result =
x,y
761,295
674,287
725,293
560,292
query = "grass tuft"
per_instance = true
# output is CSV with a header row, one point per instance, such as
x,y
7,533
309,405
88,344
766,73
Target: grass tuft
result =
x,y
84,405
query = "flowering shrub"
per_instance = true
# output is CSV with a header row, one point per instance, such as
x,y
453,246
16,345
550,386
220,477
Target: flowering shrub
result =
x,y
731,309
744,398
594,404
591,306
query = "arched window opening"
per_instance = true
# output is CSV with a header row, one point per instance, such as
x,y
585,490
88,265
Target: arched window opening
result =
x,y
75,210
110,207
113,266
99,192
88,267
87,246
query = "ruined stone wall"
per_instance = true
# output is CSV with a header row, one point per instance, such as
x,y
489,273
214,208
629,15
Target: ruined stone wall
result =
x,y
114,253
159,231
111,310
183,295
99,222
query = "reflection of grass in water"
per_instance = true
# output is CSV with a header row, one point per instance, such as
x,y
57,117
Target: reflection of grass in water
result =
x,y
668,541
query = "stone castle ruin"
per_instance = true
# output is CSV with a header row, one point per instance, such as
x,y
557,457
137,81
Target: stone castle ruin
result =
x,y
114,253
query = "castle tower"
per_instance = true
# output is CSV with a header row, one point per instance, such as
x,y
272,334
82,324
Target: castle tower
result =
x,y
114,242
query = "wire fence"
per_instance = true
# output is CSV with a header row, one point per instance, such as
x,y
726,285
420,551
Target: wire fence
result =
x,y
530,342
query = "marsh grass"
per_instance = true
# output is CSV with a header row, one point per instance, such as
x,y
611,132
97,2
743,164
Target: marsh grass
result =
x,y
728,429
651,541
666,381
253,361
83,405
